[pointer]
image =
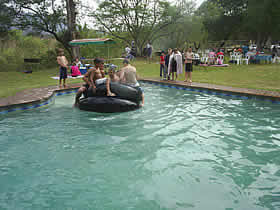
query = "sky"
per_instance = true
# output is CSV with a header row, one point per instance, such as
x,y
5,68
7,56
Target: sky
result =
x,y
93,2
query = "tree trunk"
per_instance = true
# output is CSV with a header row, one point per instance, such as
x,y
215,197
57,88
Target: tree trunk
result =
x,y
71,24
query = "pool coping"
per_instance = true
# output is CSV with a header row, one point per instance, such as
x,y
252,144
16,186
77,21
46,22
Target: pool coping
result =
x,y
34,98
37,97
244,93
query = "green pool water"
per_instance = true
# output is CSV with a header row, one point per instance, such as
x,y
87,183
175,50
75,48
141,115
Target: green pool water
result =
x,y
183,150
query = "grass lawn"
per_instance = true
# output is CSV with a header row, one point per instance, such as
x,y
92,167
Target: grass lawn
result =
x,y
253,76
265,77
13,82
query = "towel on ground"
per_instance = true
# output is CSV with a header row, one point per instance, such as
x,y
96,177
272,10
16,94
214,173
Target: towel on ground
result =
x,y
70,77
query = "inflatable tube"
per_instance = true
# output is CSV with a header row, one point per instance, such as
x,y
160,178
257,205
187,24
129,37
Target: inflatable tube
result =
x,y
122,91
105,104
127,98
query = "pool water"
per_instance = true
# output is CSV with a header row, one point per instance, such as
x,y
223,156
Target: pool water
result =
x,y
183,150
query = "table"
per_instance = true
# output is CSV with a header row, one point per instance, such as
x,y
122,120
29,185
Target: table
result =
x,y
263,57
256,59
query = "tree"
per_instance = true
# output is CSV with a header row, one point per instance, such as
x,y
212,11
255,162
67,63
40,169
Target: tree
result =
x,y
232,7
138,20
223,19
7,14
71,23
47,16
256,19
187,30
262,20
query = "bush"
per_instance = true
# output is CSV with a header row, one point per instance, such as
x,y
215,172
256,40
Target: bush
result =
x,y
3,61
22,47
49,59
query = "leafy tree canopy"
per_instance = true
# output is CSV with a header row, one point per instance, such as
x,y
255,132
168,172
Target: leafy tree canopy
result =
x,y
47,16
142,20
7,14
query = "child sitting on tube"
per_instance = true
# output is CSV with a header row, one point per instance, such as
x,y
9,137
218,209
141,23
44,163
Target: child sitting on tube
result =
x,y
112,77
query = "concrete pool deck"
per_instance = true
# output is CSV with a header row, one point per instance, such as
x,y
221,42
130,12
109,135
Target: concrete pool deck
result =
x,y
39,95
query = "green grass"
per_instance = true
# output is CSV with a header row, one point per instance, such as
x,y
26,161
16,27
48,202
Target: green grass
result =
x,y
265,77
13,82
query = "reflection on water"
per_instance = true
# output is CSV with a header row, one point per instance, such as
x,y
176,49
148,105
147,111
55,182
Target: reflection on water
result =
x,y
182,150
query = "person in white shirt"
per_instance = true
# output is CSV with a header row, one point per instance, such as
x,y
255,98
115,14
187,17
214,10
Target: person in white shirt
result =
x,y
128,53
149,49
127,50
78,62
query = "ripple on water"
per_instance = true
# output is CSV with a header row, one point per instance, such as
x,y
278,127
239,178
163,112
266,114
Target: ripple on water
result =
x,y
171,154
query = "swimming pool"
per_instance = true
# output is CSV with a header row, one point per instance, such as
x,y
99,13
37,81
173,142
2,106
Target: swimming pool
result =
x,y
182,150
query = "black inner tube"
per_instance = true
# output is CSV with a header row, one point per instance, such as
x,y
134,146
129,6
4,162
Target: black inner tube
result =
x,y
122,91
127,98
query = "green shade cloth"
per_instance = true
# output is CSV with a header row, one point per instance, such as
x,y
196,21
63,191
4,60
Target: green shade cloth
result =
x,y
96,41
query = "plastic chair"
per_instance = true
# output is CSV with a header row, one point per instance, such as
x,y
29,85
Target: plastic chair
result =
x,y
231,56
220,59
246,59
237,58
211,59
275,59
204,59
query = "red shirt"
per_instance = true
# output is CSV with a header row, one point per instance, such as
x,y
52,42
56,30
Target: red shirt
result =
x,y
162,59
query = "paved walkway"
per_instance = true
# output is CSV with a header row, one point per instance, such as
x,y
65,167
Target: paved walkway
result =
x,y
38,94
31,95
253,92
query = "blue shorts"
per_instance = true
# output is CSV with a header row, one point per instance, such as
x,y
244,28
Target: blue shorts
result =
x,y
62,73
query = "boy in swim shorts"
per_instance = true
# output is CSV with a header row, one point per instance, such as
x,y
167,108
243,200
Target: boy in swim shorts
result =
x,y
63,65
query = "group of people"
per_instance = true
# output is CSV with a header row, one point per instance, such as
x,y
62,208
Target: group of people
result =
x,y
96,76
215,57
75,68
171,64
130,52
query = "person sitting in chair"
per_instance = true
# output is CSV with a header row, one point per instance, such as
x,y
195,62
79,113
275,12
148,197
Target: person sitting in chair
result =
x,y
75,70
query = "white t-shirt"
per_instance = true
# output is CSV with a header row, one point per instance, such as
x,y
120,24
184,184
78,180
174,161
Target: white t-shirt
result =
x,y
79,63
127,50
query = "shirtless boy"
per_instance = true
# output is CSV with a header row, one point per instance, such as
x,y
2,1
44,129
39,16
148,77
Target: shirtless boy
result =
x,y
90,77
128,76
113,77
62,62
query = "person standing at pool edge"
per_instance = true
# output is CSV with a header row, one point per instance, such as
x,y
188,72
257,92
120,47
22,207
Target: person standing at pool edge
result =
x,y
149,49
167,57
188,65
162,66
63,65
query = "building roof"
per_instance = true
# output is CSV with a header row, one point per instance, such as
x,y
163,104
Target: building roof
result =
x,y
96,41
